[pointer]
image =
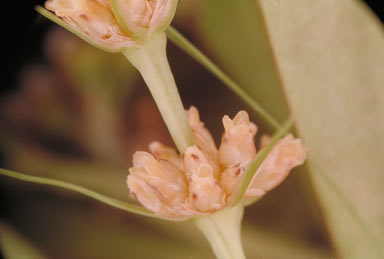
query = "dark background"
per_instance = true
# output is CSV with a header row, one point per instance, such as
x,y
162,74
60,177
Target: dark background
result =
x,y
22,35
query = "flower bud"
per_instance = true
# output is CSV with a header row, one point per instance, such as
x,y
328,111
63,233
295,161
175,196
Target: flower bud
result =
x,y
202,136
113,24
94,21
285,155
143,17
237,143
231,176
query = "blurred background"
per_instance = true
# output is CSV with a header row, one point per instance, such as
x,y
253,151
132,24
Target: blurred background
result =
x,y
69,111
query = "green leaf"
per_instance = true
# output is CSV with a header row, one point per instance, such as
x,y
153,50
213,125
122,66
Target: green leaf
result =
x,y
330,58
13,245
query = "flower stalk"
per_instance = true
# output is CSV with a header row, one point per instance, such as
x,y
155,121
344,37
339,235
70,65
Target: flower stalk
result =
x,y
223,231
151,61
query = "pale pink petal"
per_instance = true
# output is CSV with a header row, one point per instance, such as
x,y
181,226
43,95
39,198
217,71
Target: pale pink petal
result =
x,y
202,136
94,18
163,152
237,143
194,157
286,154
159,185
205,192
230,177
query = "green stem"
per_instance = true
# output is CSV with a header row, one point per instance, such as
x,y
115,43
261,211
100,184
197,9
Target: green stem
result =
x,y
196,54
151,61
223,231
79,189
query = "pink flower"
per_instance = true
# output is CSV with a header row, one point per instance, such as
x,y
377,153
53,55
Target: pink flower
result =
x,y
202,180
114,24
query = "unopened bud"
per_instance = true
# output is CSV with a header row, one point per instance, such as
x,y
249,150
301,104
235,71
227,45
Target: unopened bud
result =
x,y
205,191
143,17
113,25
237,144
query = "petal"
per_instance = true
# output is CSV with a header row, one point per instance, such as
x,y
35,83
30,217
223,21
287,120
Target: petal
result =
x,y
140,16
194,157
163,175
161,151
230,177
237,143
158,184
205,192
149,197
287,154
94,18
202,136
143,192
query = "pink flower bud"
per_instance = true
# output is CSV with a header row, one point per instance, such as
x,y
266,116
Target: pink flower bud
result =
x,y
157,184
114,24
141,17
202,136
237,143
205,192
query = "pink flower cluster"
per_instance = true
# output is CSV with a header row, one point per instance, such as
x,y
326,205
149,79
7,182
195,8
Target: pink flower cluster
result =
x,y
203,179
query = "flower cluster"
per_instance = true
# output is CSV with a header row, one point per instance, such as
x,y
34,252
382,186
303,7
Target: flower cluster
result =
x,y
114,24
203,179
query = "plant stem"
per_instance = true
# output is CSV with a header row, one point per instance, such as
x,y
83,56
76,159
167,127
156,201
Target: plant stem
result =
x,y
79,189
151,61
223,231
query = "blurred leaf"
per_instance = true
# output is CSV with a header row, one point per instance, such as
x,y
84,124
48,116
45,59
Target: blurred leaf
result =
x,y
14,246
91,231
330,56
67,228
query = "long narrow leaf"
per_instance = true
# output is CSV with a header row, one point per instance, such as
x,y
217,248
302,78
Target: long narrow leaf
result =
x,y
72,187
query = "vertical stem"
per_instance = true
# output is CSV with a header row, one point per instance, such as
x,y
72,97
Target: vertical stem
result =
x,y
223,231
151,61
